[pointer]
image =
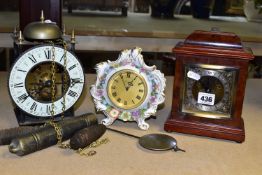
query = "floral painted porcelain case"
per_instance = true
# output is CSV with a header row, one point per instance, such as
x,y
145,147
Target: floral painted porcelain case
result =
x,y
128,89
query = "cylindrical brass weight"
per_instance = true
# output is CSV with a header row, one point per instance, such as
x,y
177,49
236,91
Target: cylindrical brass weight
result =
x,y
47,135
7,135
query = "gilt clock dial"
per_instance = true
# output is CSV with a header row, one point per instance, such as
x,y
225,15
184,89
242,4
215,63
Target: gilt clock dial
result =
x,y
30,82
128,89
209,90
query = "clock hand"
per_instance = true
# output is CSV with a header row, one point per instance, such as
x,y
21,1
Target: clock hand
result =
x,y
208,83
44,84
205,84
130,83
75,82
123,82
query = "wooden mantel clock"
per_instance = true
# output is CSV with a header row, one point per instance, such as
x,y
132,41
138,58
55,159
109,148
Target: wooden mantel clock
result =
x,y
209,86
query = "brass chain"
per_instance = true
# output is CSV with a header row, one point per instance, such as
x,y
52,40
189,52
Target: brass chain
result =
x,y
53,88
64,78
53,71
58,130
82,151
59,134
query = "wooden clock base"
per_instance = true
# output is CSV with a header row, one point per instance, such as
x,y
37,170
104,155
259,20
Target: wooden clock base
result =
x,y
201,126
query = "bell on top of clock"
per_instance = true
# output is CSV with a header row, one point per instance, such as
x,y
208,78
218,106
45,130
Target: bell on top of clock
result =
x,y
46,79
42,30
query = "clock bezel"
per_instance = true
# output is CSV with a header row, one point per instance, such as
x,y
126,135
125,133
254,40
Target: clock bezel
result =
x,y
213,68
142,78
68,107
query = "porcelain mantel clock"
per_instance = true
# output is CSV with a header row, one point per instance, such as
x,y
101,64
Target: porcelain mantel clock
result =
x,y
128,89
210,77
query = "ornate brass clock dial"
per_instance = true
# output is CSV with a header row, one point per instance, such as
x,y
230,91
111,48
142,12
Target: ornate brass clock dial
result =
x,y
30,81
209,90
127,89
39,82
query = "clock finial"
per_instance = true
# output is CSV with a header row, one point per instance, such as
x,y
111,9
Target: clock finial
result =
x,y
73,39
15,32
42,17
20,37
64,30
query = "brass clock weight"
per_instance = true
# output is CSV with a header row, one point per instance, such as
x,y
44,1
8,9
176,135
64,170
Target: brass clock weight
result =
x,y
46,136
46,79
209,86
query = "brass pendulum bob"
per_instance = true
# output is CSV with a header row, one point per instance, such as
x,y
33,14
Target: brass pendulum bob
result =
x,y
155,142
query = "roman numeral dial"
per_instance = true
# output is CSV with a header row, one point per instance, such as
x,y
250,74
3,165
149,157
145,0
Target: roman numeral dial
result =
x,y
31,83
127,89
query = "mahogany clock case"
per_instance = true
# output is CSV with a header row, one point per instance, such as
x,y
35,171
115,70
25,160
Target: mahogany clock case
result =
x,y
217,49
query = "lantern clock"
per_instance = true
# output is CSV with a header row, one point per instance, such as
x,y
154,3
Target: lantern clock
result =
x,y
209,86
46,79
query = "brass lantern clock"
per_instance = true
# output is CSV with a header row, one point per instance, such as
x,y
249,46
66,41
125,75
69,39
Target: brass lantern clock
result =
x,y
46,79
209,86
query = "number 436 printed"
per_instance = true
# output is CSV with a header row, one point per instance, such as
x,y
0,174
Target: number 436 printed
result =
x,y
206,98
